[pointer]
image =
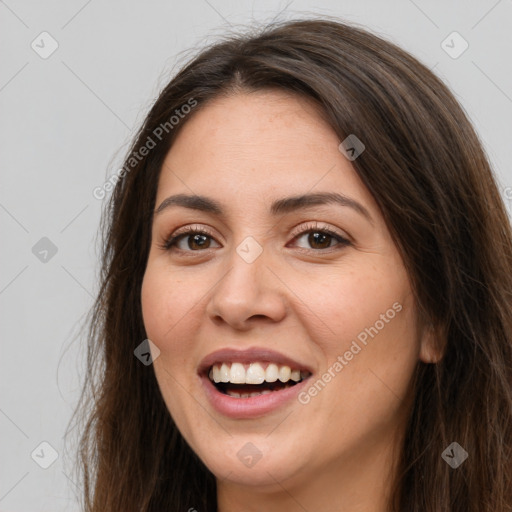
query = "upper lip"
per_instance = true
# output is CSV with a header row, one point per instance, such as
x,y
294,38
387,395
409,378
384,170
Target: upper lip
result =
x,y
251,355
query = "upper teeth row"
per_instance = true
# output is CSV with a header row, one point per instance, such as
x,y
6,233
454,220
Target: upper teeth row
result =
x,y
255,373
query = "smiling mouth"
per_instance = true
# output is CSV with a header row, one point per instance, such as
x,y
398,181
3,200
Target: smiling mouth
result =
x,y
240,380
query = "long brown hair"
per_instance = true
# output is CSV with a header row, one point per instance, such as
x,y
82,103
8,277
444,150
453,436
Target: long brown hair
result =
x,y
426,168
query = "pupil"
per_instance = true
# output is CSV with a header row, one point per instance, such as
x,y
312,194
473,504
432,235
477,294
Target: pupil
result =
x,y
195,240
314,238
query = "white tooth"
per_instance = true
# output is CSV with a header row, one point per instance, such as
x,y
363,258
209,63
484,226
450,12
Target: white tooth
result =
x,y
210,373
255,374
234,394
237,374
216,373
244,395
295,375
272,373
285,373
224,373
266,392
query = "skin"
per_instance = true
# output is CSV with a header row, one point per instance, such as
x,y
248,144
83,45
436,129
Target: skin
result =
x,y
338,452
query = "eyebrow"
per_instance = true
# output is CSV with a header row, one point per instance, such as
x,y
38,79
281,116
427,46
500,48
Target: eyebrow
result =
x,y
278,207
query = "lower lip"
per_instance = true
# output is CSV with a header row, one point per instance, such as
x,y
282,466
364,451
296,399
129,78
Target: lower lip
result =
x,y
253,406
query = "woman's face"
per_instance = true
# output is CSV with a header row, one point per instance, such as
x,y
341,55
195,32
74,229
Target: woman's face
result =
x,y
261,297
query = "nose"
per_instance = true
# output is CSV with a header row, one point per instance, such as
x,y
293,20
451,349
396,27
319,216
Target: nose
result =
x,y
247,293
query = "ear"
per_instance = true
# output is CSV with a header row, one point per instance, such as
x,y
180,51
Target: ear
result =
x,y
432,343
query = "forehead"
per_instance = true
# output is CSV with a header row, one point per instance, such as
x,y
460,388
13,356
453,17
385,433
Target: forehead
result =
x,y
259,124
258,144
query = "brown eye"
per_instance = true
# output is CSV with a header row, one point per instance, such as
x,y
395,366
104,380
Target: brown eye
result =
x,y
195,241
320,239
198,241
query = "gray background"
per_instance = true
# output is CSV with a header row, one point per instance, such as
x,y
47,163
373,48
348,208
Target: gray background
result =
x,y
65,124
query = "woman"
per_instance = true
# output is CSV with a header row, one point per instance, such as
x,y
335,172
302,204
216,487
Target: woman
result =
x,y
308,231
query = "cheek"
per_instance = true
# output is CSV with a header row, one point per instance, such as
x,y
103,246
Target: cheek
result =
x,y
342,304
166,301
155,302
173,302
168,314
363,394
368,319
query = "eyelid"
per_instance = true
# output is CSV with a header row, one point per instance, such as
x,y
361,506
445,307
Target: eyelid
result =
x,y
185,230
192,228
299,231
318,226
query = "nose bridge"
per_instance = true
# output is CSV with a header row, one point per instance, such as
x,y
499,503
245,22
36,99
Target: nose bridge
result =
x,y
247,288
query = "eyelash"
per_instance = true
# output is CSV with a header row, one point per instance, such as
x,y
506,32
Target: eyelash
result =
x,y
170,243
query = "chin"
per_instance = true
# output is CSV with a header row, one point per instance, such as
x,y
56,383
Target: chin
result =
x,y
251,460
